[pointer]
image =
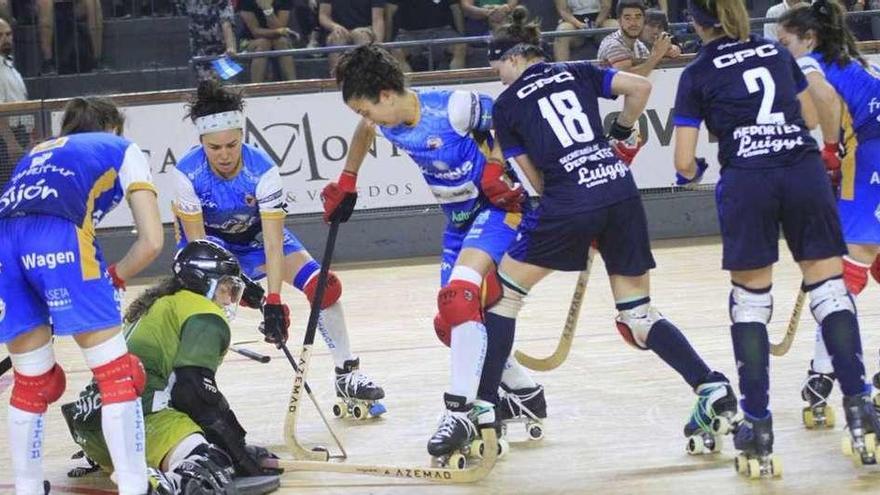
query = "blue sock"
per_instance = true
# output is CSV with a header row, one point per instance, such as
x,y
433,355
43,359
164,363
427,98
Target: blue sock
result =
x,y
666,340
751,349
500,331
841,333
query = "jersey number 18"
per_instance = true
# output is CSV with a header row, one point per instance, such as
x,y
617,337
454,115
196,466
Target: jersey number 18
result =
x,y
566,117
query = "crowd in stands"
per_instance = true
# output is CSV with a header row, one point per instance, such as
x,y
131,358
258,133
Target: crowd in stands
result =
x,y
70,33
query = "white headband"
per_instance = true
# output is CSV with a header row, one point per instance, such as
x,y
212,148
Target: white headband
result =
x,y
217,122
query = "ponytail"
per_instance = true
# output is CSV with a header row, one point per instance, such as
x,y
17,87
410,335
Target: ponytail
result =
x,y
145,301
733,17
826,19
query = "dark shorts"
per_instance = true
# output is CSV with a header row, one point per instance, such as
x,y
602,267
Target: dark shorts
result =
x,y
561,243
752,203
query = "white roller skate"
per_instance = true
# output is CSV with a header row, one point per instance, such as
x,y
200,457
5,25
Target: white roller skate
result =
x,y
358,396
713,416
863,426
458,437
523,405
817,387
753,437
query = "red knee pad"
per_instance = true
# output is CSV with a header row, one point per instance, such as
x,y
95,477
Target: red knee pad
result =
x,y
855,275
443,330
492,290
35,393
875,269
459,302
332,292
121,380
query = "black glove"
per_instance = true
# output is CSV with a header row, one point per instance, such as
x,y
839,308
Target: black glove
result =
x,y
253,294
276,320
261,455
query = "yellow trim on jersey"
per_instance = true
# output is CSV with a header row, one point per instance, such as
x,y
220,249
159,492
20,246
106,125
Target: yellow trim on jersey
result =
x,y
51,144
192,217
848,163
140,186
85,234
272,215
512,220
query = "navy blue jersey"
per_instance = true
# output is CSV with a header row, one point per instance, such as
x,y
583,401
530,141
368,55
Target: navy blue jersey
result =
x,y
746,91
551,114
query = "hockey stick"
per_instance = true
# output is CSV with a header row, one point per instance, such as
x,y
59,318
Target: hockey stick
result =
x,y
5,365
302,367
256,356
564,346
783,346
439,475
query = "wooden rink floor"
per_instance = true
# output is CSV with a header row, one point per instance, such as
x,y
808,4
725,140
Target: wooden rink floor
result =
x,y
616,414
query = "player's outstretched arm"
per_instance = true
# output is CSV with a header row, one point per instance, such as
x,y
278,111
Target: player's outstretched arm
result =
x,y
340,196
686,151
635,90
148,245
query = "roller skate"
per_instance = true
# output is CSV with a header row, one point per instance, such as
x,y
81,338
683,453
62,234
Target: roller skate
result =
x,y
816,389
358,395
458,436
523,405
863,425
713,417
753,437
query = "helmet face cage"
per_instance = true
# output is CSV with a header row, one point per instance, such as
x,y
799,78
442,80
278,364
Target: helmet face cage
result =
x,y
203,266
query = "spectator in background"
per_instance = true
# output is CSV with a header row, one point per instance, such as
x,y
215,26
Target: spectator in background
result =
x,y
774,12
265,29
88,10
351,22
210,30
579,14
656,23
623,50
483,16
306,14
14,132
426,20
6,11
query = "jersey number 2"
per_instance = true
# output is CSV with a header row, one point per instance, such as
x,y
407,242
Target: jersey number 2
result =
x,y
573,124
751,77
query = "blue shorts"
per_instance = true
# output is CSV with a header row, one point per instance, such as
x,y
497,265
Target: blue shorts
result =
x,y
859,202
562,242
53,272
752,203
491,232
251,256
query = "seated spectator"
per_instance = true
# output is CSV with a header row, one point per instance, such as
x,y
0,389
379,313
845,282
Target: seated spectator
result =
x,y
656,24
775,12
483,16
265,23
14,132
427,20
305,12
351,22
89,11
6,10
579,14
210,31
624,50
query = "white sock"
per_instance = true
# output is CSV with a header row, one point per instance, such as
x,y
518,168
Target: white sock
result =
x,y
182,451
26,444
468,349
26,428
821,358
331,324
122,424
515,375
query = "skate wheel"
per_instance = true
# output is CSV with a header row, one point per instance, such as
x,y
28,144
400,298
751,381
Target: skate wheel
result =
x,y
776,466
829,417
477,448
503,448
694,445
535,431
740,463
340,410
457,461
358,412
877,400
717,442
809,418
753,469
846,446
377,409
871,442
721,425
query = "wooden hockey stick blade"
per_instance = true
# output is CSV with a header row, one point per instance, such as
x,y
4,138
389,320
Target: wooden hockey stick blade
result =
x,y
782,347
295,448
564,346
438,475
256,356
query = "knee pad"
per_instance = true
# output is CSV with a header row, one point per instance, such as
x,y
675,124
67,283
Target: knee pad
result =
x,y
491,290
635,321
855,275
443,330
828,297
332,292
459,302
875,269
511,300
35,393
750,305
120,380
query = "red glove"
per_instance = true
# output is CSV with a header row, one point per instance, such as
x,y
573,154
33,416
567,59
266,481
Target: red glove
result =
x,y
831,157
276,319
117,280
625,141
340,197
496,185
